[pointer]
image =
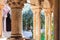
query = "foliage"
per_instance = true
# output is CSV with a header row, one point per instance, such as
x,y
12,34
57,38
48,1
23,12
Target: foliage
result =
x,y
42,36
27,18
42,20
28,21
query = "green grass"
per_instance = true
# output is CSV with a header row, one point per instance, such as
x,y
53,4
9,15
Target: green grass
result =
x,y
43,36
52,36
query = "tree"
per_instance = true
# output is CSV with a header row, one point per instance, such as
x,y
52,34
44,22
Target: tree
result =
x,y
27,18
42,20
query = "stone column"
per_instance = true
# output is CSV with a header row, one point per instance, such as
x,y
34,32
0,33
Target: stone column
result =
x,y
4,24
16,8
1,23
47,9
35,4
16,23
36,23
56,20
48,24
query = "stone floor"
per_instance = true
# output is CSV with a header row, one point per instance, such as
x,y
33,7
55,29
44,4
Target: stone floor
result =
x,y
3,38
5,35
8,34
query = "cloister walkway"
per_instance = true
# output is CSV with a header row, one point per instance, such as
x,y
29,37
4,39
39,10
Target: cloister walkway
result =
x,y
49,6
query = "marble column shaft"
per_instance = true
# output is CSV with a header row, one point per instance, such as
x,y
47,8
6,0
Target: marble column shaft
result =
x,y
36,24
48,24
16,22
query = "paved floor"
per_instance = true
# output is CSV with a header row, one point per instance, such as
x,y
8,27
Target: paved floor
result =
x,y
3,38
6,34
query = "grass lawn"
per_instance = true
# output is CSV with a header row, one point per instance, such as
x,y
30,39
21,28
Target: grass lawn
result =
x,y
43,36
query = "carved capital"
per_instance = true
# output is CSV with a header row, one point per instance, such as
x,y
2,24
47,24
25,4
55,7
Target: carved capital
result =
x,y
16,3
46,4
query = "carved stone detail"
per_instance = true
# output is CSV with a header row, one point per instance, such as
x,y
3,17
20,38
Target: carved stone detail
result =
x,y
16,3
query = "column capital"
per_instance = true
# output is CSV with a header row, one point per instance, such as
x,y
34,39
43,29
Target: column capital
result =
x,y
35,4
35,7
16,3
46,4
48,11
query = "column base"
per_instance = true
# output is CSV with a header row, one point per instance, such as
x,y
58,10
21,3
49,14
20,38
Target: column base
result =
x,y
16,37
0,35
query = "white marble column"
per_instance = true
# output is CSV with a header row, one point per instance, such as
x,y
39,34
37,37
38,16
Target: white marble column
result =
x,y
35,5
48,24
36,24
47,9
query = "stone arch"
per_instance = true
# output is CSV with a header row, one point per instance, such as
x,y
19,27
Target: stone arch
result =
x,y
51,8
17,6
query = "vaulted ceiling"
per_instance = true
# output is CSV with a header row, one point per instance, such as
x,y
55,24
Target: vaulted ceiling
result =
x,y
50,1
35,1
